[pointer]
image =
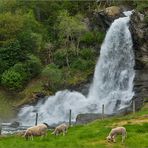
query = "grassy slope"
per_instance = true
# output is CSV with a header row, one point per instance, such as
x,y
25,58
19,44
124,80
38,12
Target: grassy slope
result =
x,y
91,135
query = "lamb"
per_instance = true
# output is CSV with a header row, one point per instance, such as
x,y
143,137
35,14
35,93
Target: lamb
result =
x,y
116,131
38,130
62,128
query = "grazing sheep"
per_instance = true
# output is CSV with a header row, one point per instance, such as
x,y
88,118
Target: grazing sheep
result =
x,y
38,130
116,131
62,128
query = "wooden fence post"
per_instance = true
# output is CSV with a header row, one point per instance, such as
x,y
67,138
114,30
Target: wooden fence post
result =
x,y
0,128
36,119
134,107
70,117
102,111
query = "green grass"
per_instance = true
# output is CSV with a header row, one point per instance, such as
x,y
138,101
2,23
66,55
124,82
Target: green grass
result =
x,y
91,135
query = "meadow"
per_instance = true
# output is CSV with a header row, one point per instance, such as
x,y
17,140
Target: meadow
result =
x,y
91,135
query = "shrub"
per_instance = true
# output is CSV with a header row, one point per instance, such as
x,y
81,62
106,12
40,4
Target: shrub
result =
x,y
87,53
82,64
88,38
99,36
30,41
61,55
12,79
33,66
91,38
53,76
21,69
12,53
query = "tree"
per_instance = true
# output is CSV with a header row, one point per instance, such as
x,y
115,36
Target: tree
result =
x,y
53,76
12,79
11,25
70,30
10,55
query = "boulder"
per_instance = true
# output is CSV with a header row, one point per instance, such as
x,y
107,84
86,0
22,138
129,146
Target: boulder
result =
x,y
15,124
113,11
104,18
88,117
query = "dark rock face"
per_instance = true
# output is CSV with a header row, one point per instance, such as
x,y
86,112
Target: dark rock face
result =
x,y
104,18
139,31
88,117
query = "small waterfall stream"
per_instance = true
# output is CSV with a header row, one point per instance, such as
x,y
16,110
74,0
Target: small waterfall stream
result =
x,y
112,83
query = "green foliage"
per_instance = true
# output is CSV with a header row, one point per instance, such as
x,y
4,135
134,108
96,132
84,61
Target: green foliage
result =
x,y
27,26
53,76
70,28
10,55
12,79
30,42
88,38
22,70
82,64
88,54
11,25
141,6
33,66
91,38
61,55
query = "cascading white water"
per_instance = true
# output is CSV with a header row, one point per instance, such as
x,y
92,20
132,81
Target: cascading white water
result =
x,y
114,73
112,84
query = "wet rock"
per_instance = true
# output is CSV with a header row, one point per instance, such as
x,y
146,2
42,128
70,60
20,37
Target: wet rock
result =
x,y
104,18
139,31
88,117
15,124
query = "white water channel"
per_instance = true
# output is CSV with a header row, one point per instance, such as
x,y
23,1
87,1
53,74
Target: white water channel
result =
x,y
112,83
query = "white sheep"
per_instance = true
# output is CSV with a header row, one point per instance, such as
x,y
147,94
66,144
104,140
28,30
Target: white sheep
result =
x,y
116,131
62,128
38,130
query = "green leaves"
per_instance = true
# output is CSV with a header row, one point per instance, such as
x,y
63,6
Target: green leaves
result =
x,y
12,79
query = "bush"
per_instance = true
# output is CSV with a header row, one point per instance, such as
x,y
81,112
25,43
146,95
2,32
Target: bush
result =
x,y
33,66
82,64
21,69
141,6
87,53
29,41
99,36
88,38
11,54
53,75
12,79
91,38
61,55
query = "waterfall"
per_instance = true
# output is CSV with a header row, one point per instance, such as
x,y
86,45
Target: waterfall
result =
x,y
114,72
112,83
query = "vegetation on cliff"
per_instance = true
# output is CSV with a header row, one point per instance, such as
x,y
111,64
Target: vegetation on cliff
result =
x,y
48,45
